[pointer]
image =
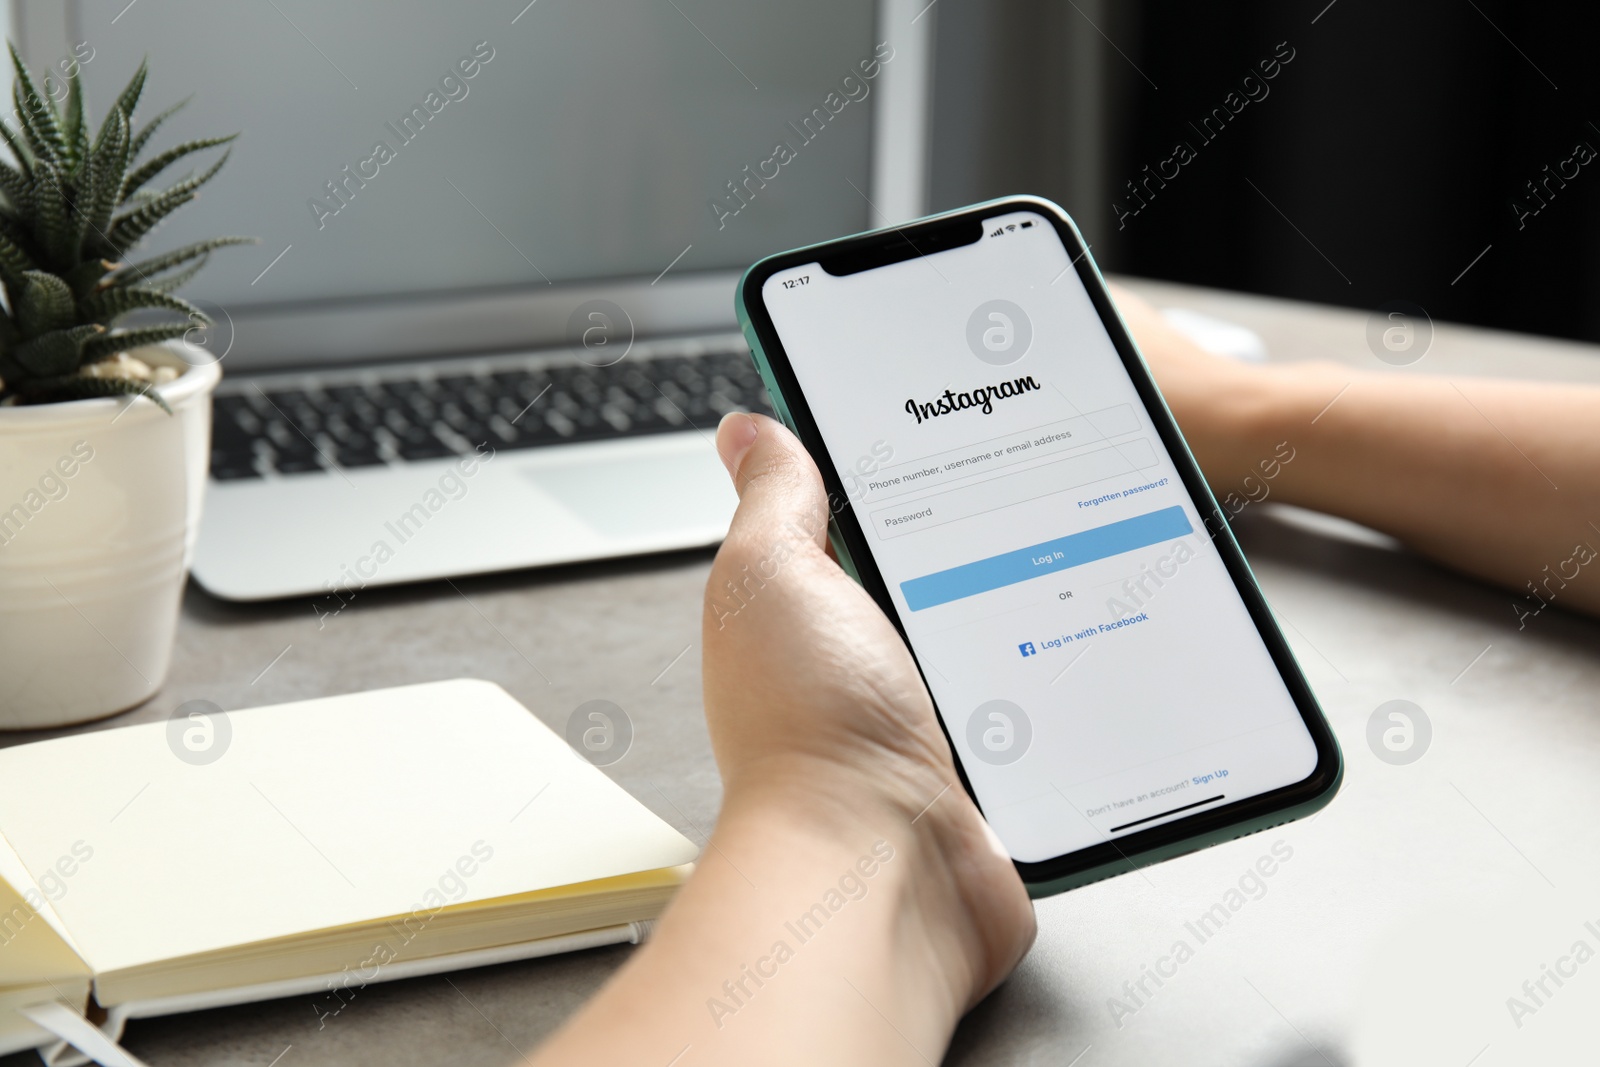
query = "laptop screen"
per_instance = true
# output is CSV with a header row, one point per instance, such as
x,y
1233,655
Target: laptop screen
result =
x,y
407,147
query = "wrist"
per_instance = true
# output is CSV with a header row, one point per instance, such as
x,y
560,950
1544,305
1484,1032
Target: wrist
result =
x,y
795,912
936,876
827,794
1254,421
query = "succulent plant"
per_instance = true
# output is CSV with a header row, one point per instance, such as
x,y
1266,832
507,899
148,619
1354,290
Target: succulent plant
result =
x,y
73,208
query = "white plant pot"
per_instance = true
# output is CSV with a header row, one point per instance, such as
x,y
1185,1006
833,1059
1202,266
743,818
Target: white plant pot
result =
x,y
99,509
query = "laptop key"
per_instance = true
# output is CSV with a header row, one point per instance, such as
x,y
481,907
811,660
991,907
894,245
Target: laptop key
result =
x,y
227,467
297,464
349,394
422,444
357,457
456,418
425,450
354,440
669,412
562,425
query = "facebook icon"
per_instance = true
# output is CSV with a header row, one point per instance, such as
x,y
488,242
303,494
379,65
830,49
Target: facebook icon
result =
x,y
1027,649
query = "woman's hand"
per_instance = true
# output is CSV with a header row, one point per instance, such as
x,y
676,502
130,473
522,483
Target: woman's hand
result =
x,y
814,705
852,903
1216,400
1498,479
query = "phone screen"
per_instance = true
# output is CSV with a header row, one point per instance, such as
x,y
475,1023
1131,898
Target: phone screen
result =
x,y
1095,665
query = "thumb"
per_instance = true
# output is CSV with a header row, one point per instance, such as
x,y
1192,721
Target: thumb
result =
x,y
781,496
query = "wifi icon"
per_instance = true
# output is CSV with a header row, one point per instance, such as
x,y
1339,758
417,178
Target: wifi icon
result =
x,y
1010,226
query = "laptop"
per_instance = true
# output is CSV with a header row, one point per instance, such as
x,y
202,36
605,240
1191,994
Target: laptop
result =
x,y
489,324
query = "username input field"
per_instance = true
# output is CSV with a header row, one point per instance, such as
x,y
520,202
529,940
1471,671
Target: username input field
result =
x,y
1063,435
965,501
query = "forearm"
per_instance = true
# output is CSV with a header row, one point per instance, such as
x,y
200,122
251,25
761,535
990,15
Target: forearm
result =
x,y
1499,479
795,942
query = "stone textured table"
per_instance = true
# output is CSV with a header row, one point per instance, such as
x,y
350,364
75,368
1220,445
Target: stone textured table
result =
x,y
1407,913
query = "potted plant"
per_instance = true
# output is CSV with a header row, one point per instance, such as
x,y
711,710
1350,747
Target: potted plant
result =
x,y
104,431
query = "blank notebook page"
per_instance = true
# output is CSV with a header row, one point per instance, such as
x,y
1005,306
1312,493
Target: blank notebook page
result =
x,y
319,814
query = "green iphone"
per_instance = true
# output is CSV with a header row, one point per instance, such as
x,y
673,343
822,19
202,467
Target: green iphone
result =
x,y
1008,484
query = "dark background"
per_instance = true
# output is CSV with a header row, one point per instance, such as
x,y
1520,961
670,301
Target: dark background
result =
x,y
1385,158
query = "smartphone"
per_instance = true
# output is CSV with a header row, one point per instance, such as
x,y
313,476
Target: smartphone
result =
x,y
1008,484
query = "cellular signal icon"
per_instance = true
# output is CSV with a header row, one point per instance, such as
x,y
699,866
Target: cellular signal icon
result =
x,y
998,232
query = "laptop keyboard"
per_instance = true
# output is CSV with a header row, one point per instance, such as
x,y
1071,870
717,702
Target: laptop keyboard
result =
x,y
298,426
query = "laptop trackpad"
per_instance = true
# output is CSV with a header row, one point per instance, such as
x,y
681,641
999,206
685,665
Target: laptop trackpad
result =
x,y
642,494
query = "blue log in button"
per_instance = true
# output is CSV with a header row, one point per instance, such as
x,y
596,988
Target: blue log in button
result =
x,y
1009,568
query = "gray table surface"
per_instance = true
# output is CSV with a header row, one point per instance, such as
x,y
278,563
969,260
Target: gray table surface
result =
x,y
1408,913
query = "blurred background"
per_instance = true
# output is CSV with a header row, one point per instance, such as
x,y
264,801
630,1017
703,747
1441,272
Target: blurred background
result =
x,y
1391,152
1430,151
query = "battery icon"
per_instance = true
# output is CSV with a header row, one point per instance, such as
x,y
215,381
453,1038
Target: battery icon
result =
x,y
1025,225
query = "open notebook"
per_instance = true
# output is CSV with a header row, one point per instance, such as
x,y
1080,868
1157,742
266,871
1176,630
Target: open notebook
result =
x,y
335,843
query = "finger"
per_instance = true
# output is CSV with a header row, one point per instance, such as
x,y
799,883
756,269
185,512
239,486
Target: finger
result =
x,y
780,491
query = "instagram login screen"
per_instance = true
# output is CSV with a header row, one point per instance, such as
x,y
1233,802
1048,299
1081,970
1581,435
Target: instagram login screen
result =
x,y
1093,662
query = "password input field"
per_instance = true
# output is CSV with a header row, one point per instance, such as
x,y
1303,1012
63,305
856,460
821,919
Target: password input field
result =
x,y
1035,482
